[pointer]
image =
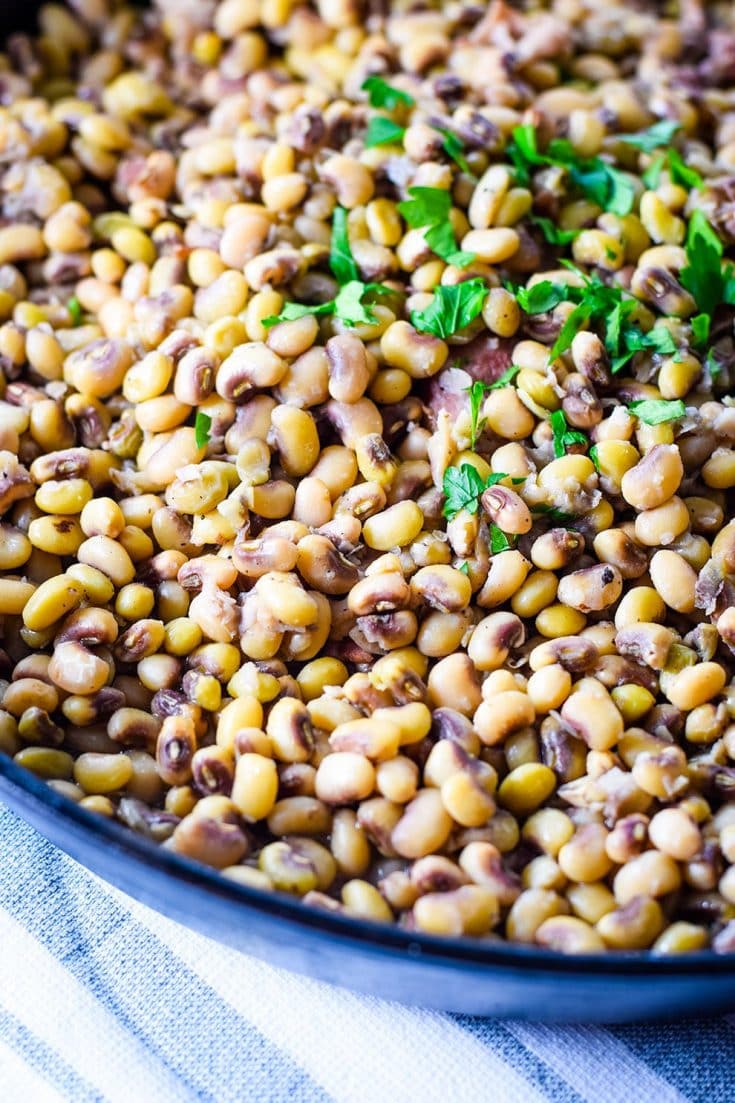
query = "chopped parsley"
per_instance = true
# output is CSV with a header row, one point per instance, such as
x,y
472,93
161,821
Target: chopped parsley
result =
x,y
594,457
429,208
607,186
202,425
75,310
463,486
477,391
452,308
464,568
544,296
554,514
341,260
703,276
678,171
700,324
382,94
348,304
552,233
453,146
383,132
499,542
564,437
660,134
654,411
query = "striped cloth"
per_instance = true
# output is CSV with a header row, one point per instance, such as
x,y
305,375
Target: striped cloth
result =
x,y
102,999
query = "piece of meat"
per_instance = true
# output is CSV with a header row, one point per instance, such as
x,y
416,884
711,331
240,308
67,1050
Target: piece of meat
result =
x,y
484,358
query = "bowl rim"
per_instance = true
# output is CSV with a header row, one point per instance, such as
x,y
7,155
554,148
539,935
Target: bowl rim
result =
x,y
30,790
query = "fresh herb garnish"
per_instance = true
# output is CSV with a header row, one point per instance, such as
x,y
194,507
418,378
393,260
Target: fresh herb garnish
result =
x,y
543,296
660,134
703,276
428,208
631,340
452,308
612,189
383,132
348,304
477,391
341,260
564,437
464,568
654,411
678,171
700,324
453,146
382,94
499,542
75,310
463,486
503,380
554,514
553,234
202,425
594,457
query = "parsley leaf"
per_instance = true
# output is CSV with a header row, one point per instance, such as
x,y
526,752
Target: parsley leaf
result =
x,y
453,146
347,306
499,542
632,340
426,206
594,457
383,132
503,380
703,276
452,308
202,425
700,324
430,207
652,176
464,568
681,173
75,310
553,234
441,240
605,185
463,486
564,437
476,391
554,514
462,489
655,411
341,260
660,134
382,94
543,296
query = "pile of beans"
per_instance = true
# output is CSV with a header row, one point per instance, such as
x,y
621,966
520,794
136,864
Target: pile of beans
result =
x,y
236,614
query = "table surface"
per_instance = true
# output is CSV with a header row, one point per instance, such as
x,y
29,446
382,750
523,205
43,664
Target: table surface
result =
x,y
102,999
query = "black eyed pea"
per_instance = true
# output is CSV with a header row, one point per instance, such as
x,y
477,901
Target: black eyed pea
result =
x,y
470,909
654,479
289,868
681,938
493,246
419,354
594,718
375,739
379,593
394,527
526,787
362,899
344,778
423,827
46,762
632,926
506,712
301,815
529,910
507,509
287,600
76,670
215,840
508,571
674,580
102,773
695,685
453,683
591,589
175,748
293,433
584,858
652,873
494,638
290,731
674,832
568,934
252,365
442,588
466,800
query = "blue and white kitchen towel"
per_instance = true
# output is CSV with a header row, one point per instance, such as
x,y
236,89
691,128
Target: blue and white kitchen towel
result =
x,y
103,1000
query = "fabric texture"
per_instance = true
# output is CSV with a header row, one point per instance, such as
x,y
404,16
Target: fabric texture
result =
x,y
102,999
